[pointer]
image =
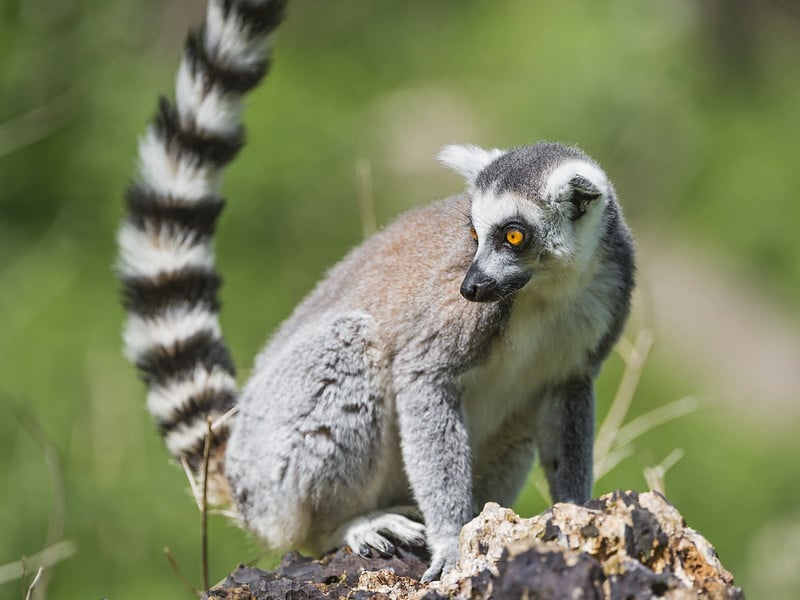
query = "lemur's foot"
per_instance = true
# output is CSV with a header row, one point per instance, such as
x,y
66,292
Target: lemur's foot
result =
x,y
443,560
381,531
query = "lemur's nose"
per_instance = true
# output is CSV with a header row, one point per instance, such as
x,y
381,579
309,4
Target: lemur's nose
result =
x,y
478,286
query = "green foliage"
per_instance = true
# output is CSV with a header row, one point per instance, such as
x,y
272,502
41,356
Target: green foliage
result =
x,y
700,139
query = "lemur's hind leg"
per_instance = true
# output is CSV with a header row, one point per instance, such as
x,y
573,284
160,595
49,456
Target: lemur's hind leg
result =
x,y
307,451
381,530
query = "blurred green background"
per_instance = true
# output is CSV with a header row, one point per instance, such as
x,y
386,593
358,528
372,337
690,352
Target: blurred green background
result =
x,y
693,107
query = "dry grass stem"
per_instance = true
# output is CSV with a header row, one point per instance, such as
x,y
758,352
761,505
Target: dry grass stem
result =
x,y
200,495
196,492
652,419
196,488
224,418
611,460
540,483
635,357
228,514
174,564
654,476
34,583
55,527
204,508
38,123
630,432
46,558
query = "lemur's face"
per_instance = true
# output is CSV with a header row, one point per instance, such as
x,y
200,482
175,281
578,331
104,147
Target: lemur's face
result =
x,y
536,211
509,235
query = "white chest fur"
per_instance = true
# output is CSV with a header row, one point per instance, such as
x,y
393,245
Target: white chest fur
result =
x,y
546,341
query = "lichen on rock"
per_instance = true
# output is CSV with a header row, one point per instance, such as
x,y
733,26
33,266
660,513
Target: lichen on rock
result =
x,y
622,545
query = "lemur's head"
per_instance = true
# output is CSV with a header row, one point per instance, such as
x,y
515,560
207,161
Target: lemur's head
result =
x,y
536,211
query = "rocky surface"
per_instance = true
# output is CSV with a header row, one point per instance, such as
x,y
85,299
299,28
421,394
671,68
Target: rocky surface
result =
x,y
341,574
623,545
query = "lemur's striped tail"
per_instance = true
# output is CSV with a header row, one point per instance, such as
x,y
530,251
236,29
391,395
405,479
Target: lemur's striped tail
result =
x,y
166,262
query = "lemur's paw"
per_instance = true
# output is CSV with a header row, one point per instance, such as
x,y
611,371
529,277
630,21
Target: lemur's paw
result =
x,y
443,560
380,531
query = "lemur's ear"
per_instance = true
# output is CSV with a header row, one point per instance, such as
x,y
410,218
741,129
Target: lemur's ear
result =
x,y
577,186
468,160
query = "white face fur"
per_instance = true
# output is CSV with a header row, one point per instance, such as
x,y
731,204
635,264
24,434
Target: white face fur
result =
x,y
548,222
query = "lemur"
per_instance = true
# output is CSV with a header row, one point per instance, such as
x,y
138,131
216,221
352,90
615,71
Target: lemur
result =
x,y
421,375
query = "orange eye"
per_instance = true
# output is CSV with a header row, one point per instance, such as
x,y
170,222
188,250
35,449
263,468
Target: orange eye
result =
x,y
514,237
473,233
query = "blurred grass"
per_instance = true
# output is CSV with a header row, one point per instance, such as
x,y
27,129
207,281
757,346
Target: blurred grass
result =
x,y
699,139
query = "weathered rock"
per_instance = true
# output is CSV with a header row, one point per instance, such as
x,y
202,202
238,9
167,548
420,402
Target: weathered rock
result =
x,y
338,574
623,546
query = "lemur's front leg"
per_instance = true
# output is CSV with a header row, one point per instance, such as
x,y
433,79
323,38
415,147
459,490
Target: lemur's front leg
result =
x,y
565,438
502,464
436,454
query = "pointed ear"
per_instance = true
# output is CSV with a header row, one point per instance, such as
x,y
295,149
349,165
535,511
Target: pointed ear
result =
x,y
577,186
468,160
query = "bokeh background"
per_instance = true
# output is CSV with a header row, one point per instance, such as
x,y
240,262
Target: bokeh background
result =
x,y
692,106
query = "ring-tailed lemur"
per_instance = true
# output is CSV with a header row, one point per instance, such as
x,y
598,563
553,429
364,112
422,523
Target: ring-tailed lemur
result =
x,y
424,370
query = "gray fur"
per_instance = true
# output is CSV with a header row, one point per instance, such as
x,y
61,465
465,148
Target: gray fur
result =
x,y
386,387
565,433
523,170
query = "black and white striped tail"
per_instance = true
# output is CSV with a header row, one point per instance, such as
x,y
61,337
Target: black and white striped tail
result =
x,y
170,283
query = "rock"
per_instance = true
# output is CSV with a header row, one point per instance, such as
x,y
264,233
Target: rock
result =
x,y
338,574
622,546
